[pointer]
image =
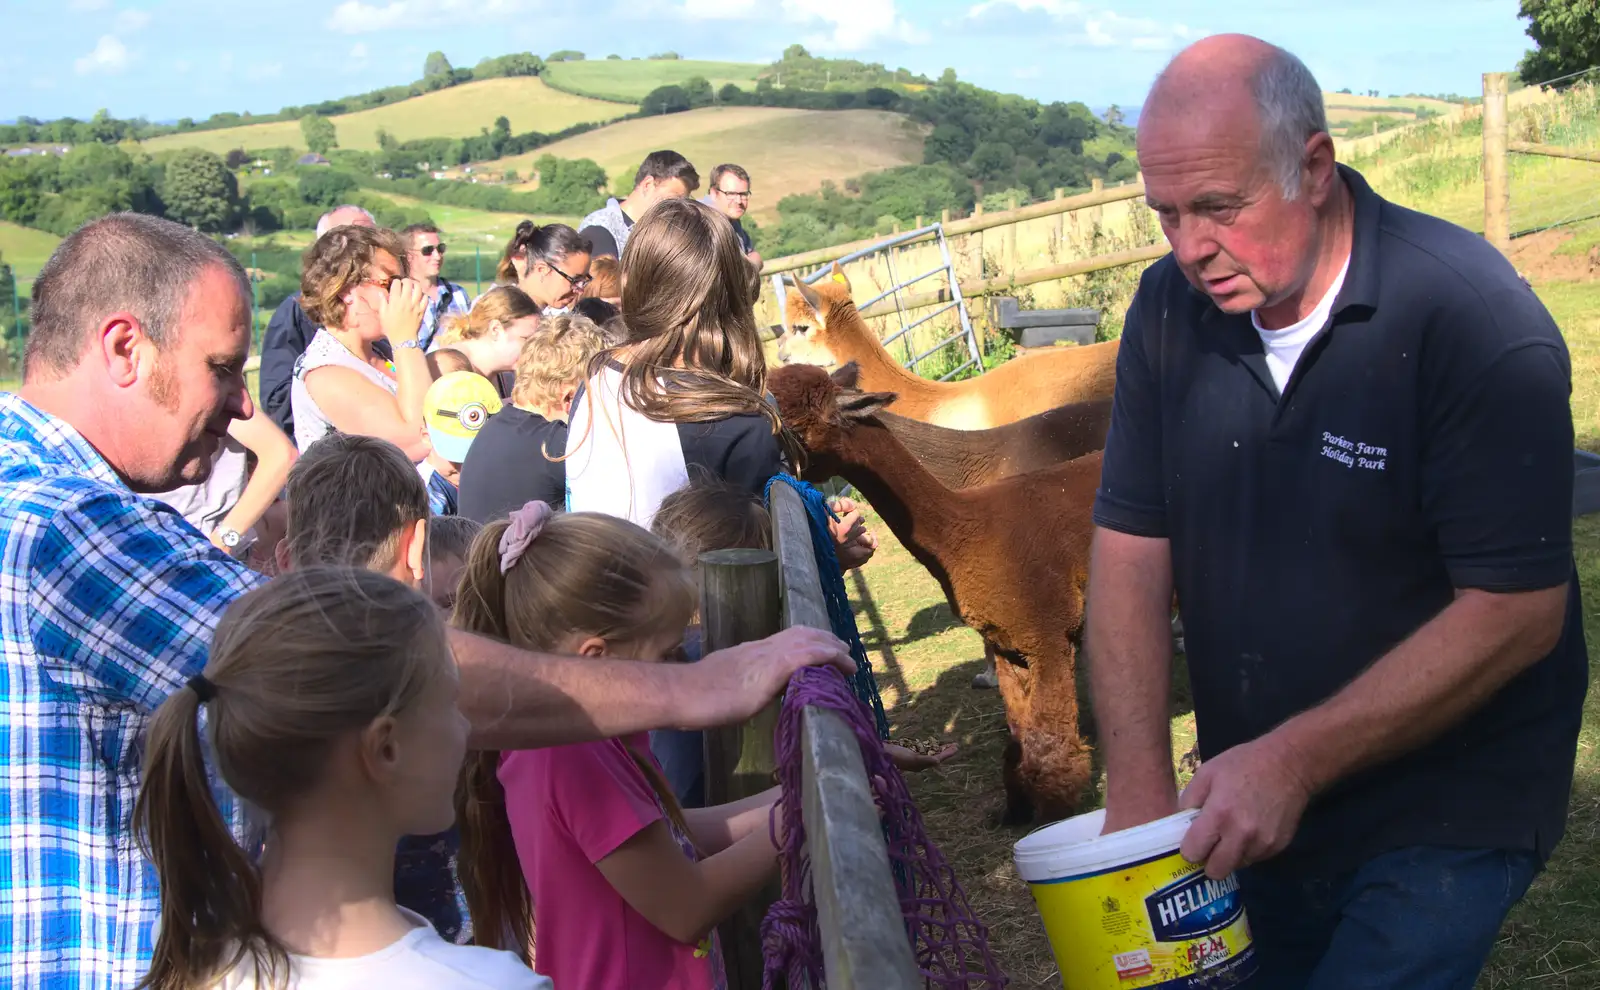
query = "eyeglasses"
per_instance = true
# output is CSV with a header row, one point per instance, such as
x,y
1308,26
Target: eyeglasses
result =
x,y
579,282
427,249
383,282
732,194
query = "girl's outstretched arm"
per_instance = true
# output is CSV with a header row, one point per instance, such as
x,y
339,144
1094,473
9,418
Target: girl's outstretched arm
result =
x,y
686,900
715,829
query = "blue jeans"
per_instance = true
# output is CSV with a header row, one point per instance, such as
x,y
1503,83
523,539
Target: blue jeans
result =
x,y
1420,918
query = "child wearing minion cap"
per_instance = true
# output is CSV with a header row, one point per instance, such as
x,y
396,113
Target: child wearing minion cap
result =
x,y
454,409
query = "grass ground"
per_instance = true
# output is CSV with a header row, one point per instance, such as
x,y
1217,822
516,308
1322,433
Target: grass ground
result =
x,y
460,111
785,151
25,250
925,660
631,80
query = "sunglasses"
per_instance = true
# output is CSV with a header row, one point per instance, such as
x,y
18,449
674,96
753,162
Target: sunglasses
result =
x,y
383,282
579,282
427,250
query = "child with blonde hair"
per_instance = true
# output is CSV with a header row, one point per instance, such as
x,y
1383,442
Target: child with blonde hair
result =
x,y
516,457
329,702
624,886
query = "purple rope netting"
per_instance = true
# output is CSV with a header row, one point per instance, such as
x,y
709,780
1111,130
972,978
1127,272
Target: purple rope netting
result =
x,y
948,942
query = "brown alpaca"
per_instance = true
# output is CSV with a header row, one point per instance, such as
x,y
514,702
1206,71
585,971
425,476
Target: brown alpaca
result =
x,y
971,458
824,328
1012,558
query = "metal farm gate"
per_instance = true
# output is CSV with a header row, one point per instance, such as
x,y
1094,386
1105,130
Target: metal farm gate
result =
x,y
945,268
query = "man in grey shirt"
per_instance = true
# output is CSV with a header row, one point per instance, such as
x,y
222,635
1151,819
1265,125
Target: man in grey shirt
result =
x,y
662,175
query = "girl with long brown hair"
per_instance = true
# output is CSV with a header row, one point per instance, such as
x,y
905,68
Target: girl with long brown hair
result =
x,y
688,389
623,885
329,703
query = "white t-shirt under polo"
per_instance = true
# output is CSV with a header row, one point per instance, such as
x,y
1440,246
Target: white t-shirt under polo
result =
x,y
1283,347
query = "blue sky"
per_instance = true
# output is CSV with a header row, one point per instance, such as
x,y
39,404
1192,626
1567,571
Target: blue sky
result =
x,y
169,58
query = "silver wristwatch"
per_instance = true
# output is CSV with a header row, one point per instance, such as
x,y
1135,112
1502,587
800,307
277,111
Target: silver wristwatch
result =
x,y
236,544
409,343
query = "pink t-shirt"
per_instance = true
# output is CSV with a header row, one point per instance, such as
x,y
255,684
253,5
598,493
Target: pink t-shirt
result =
x,y
569,808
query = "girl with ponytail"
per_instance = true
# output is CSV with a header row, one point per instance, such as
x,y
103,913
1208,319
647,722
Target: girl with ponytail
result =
x,y
623,886
330,705
549,263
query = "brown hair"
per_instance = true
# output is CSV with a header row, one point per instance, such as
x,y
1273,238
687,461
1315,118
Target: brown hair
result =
x,y
728,169
503,304
711,514
586,573
695,355
296,665
664,166
126,262
336,263
605,279
531,242
348,499
451,536
555,358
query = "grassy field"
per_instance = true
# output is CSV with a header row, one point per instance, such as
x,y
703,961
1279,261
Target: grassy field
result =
x,y
25,250
925,660
460,111
631,80
785,151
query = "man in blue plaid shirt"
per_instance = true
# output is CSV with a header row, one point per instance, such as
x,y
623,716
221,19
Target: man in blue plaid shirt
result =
x,y
134,369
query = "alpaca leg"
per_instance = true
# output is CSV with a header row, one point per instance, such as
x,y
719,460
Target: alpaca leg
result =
x,y
986,680
1013,682
1019,807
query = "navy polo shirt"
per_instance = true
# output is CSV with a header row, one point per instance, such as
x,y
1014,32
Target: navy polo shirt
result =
x,y
1422,444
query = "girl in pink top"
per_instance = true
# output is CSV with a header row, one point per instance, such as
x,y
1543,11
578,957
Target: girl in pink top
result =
x,y
622,885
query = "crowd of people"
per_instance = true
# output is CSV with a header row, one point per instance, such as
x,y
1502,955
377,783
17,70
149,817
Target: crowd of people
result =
x,y
396,679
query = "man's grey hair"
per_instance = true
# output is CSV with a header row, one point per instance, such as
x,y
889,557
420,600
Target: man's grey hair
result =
x,y
1289,105
325,222
123,262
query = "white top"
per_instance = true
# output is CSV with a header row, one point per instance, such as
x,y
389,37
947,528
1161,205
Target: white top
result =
x,y
1284,346
421,960
309,423
206,504
619,461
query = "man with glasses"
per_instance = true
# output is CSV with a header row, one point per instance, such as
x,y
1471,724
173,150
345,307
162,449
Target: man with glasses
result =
x,y
730,194
424,262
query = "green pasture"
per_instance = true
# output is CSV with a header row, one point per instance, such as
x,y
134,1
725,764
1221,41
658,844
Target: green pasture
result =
x,y
631,80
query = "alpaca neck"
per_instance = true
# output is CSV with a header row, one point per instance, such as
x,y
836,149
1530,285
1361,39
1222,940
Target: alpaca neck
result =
x,y
876,362
914,505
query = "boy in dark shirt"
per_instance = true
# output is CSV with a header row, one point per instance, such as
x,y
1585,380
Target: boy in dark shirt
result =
x,y
514,458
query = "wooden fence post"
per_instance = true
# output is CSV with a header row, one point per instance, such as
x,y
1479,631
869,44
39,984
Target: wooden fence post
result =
x,y
1496,169
977,239
1011,238
1061,218
739,603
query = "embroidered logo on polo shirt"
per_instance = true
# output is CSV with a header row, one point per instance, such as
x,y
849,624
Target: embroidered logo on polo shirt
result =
x,y
1354,453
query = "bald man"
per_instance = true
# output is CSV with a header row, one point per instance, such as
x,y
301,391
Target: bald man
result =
x,y
1341,431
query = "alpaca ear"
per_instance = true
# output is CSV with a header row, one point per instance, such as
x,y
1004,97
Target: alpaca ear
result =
x,y
811,299
838,276
848,377
860,405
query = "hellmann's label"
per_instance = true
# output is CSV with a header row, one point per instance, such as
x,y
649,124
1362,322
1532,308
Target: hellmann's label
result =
x,y
1161,923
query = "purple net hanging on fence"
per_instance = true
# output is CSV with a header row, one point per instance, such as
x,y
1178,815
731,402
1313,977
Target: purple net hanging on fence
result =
x,y
949,943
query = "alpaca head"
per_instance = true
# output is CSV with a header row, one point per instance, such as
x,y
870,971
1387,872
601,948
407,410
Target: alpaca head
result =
x,y
815,318
823,409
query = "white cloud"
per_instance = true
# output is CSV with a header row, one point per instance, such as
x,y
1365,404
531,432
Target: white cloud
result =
x,y
131,21
718,10
835,26
109,56
84,5
1086,26
358,50
356,17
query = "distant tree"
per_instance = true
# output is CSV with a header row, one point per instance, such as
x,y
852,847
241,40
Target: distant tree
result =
x,y
794,52
880,98
947,143
565,55
1114,115
698,90
1567,36
947,78
613,58
518,64
320,134
511,175
569,186
665,99
387,141
436,65
20,198
993,161
730,93
665,57
237,158
325,187
200,191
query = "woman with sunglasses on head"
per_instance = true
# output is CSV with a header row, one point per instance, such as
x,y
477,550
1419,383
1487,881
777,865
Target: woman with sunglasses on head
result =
x,y
353,284
549,263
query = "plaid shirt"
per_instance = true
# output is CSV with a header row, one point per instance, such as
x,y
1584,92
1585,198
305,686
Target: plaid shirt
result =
x,y
447,298
107,604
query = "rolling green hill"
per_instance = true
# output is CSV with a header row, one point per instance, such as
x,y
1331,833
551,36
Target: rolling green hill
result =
x,y
630,80
459,111
25,250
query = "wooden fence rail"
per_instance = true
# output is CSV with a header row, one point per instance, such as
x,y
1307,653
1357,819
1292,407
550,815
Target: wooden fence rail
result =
x,y
864,940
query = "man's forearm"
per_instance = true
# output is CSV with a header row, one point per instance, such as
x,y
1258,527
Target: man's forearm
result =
x,y
1429,682
520,700
1128,642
